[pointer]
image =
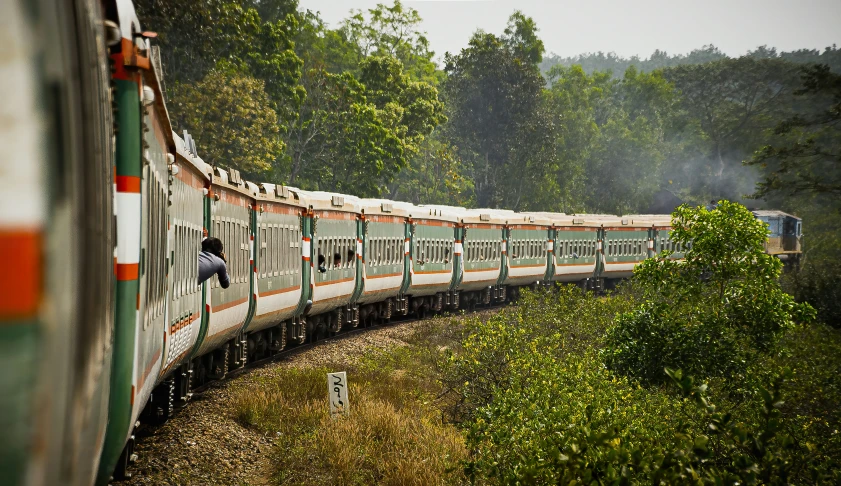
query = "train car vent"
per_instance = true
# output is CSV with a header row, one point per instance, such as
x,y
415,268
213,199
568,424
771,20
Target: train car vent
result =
x,y
338,201
281,191
386,207
624,220
531,219
235,177
484,217
577,221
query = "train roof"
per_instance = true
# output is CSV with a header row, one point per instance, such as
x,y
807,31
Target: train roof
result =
x,y
386,207
481,216
561,219
278,193
437,213
331,201
765,213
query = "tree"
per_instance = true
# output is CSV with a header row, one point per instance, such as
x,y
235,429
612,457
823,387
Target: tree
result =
x,y
435,175
806,155
198,37
610,138
230,116
499,122
713,312
727,106
393,32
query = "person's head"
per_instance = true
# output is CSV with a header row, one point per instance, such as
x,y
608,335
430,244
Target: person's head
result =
x,y
213,245
337,259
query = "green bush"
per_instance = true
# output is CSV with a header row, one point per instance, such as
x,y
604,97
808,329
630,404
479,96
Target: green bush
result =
x,y
539,406
554,323
712,313
819,284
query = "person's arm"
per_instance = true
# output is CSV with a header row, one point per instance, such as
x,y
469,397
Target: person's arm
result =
x,y
224,281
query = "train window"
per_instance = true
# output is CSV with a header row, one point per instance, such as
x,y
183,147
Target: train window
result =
x,y
292,253
275,237
398,251
265,251
274,254
394,243
284,251
238,249
270,248
372,251
347,261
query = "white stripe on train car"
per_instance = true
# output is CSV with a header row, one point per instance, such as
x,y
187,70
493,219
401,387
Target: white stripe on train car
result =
x,y
128,227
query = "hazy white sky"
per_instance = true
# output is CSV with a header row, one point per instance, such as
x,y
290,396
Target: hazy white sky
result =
x,y
625,27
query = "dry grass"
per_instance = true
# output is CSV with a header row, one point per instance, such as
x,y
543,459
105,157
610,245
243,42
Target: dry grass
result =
x,y
393,434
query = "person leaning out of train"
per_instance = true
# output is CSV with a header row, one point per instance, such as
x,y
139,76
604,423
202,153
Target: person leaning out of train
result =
x,y
212,261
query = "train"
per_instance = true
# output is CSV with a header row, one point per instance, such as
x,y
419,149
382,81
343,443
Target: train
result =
x,y
103,207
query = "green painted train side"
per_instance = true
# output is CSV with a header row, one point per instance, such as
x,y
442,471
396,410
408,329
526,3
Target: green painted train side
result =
x,y
128,154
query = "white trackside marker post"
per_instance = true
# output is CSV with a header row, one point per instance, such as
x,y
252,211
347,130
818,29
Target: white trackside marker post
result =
x,y
337,393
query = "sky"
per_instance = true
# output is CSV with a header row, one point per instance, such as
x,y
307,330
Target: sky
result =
x,y
626,27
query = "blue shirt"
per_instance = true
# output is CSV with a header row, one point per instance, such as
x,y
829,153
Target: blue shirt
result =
x,y
210,264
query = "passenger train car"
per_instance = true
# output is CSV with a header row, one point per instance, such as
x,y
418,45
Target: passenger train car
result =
x,y
103,208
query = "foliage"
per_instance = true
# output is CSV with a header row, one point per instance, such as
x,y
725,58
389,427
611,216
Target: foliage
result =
x,y
711,313
609,132
233,121
551,325
195,38
616,65
353,137
820,286
539,407
435,175
806,153
498,119
728,105
392,31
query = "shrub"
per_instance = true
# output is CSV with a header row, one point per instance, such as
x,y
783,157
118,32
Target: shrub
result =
x,y
556,323
819,284
713,312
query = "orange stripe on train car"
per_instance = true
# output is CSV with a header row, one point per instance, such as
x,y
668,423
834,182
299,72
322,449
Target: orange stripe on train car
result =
x,y
20,293
128,184
127,271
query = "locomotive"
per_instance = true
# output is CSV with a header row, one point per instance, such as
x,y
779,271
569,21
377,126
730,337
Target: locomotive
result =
x,y
102,211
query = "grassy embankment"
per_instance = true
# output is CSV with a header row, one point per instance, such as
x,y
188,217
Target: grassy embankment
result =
x,y
394,433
